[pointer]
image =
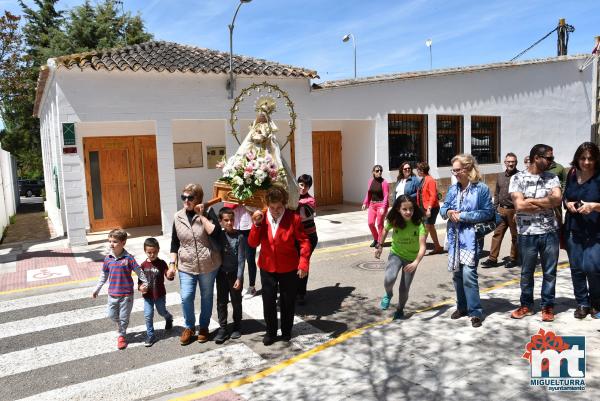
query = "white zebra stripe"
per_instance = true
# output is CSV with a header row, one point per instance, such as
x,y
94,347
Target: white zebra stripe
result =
x,y
70,350
60,319
159,378
48,299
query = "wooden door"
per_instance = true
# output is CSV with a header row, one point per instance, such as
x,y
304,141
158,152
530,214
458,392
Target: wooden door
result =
x,y
121,181
327,167
148,190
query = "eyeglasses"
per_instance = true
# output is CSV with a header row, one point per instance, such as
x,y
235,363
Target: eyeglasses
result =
x,y
406,169
188,197
377,171
549,159
511,162
455,171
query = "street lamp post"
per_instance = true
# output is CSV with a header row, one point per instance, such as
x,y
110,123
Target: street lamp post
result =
x,y
347,38
231,26
428,43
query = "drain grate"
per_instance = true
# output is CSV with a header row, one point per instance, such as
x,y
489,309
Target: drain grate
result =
x,y
371,265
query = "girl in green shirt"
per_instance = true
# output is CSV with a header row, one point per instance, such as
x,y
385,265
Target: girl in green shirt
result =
x,y
408,247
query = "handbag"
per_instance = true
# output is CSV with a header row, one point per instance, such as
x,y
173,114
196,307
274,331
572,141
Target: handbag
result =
x,y
483,228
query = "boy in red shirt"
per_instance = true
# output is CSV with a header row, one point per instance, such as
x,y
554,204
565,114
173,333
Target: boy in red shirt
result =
x,y
155,270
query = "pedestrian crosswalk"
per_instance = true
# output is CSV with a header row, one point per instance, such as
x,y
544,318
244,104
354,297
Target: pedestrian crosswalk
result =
x,y
61,346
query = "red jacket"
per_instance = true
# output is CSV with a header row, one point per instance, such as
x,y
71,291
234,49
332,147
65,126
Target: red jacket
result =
x,y
280,254
430,193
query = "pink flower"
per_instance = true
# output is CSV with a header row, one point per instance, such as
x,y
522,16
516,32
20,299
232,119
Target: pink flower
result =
x,y
248,169
273,174
250,155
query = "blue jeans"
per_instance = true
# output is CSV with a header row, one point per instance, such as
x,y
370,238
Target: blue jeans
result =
x,y
546,245
187,288
161,308
466,285
581,274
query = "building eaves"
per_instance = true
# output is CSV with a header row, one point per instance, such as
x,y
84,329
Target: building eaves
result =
x,y
440,72
173,57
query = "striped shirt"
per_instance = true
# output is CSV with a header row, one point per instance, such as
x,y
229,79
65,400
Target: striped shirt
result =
x,y
117,270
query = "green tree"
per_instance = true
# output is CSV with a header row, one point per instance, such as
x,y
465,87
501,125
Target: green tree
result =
x,y
48,32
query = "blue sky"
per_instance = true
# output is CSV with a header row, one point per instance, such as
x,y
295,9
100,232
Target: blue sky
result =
x,y
390,35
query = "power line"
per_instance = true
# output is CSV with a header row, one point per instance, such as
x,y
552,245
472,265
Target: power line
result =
x,y
533,45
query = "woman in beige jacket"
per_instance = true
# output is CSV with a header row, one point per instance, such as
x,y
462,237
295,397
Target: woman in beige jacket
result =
x,y
197,262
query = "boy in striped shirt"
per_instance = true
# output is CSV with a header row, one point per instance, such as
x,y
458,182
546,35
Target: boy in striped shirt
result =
x,y
117,268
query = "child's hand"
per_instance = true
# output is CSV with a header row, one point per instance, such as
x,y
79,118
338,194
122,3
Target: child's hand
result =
x,y
411,267
237,285
170,274
378,252
257,217
144,288
95,294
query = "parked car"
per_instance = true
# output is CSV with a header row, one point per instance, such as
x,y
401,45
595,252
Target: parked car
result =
x,y
31,187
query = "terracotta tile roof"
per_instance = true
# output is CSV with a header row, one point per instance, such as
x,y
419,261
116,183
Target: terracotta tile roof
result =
x,y
172,57
440,72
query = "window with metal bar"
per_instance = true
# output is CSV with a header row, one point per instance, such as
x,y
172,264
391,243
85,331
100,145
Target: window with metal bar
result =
x,y
485,139
449,138
407,135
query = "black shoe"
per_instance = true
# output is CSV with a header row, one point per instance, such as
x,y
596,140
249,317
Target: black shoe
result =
x,y
221,336
373,244
235,334
510,264
149,342
581,312
286,337
301,300
268,340
489,263
457,314
169,324
475,321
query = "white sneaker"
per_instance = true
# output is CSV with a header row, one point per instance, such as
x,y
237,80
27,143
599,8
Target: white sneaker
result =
x,y
250,292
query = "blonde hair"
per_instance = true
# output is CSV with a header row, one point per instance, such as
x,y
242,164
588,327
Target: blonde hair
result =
x,y
195,190
470,164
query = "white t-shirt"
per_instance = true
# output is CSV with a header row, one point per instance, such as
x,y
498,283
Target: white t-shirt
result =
x,y
400,187
535,186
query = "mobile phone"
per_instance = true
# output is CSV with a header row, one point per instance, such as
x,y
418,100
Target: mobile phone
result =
x,y
578,204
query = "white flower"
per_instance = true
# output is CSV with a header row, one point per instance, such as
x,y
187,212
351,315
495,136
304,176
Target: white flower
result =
x,y
238,181
249,180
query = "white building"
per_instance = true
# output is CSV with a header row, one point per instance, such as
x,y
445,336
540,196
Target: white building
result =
x,y
128,107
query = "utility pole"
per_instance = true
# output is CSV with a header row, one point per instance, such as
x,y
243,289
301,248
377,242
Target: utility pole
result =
x,y
563,31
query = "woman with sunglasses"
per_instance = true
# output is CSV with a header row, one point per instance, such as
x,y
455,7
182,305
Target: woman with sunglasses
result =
x,y
197,262
407,182
376,201
468,202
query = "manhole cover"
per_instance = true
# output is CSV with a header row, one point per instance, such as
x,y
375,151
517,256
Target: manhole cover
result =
x,y
372,265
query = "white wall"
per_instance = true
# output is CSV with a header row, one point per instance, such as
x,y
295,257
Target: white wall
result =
x,y
164,98
547,102
7,190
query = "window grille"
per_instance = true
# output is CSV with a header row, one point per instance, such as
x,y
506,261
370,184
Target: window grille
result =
x,y
407,135
485,138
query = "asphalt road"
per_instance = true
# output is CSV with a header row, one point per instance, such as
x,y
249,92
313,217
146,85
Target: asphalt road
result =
x,y
57,343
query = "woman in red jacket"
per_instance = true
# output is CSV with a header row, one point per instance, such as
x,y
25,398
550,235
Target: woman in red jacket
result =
x,y
427,199
280,261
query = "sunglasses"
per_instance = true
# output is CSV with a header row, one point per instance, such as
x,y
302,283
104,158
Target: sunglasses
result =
x,y
188,197
406,169
549,159
377,171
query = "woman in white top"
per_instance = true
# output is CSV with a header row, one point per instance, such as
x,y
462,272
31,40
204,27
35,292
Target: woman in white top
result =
x,y
407,182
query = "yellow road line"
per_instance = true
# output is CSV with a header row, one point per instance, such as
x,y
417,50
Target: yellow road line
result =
x,y
16,290
307,354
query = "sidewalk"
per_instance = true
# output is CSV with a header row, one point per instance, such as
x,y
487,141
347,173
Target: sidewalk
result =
x,y
428,356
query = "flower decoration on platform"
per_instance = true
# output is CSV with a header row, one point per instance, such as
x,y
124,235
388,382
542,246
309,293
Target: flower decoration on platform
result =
x,y
255,170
